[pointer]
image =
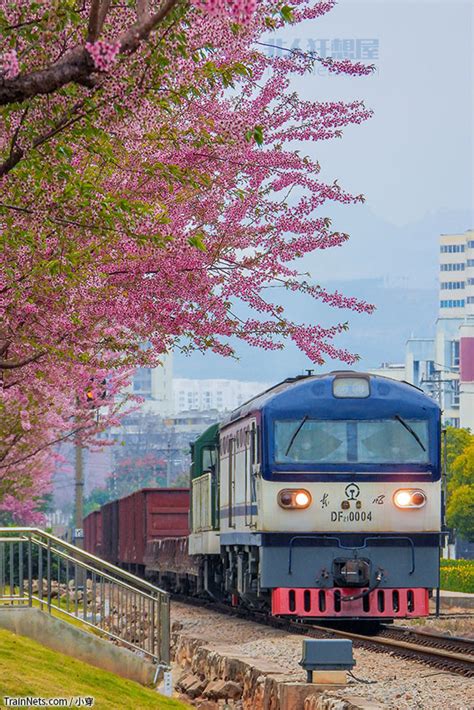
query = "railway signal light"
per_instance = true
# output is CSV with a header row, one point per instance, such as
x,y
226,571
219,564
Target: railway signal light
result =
x,y
92,396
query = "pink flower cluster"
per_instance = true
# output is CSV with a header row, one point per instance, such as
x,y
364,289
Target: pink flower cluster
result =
x,y
346,66
241,11
9,67
103,53
25,420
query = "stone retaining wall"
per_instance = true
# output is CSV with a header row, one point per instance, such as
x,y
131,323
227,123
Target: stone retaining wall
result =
x,y
210,675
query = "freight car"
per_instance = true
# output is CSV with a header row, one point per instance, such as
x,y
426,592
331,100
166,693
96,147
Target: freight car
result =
x,y
129,523
93,533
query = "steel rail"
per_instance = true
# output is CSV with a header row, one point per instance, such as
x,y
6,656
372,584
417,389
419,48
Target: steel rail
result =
x,y
427,637
393,643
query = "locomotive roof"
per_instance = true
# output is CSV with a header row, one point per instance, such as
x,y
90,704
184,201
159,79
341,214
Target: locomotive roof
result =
x,y
405,390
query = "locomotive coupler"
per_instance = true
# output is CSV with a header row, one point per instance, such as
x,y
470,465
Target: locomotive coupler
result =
x,y
351,572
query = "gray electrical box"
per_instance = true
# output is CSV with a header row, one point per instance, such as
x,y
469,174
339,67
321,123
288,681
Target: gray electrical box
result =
x,y
327,655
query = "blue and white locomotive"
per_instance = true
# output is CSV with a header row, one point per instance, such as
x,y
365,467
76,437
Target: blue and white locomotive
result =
x,y
321,498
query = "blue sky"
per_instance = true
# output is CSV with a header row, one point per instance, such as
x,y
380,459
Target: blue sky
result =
x,y
413,161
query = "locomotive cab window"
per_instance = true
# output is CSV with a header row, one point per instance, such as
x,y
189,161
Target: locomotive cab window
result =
x,y
378,441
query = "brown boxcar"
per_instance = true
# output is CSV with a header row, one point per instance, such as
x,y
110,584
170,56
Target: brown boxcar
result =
x,y
93,533
110,532
150,514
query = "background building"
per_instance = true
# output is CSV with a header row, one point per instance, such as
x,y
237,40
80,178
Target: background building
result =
x,y
388,369
221,395
444,365
155,385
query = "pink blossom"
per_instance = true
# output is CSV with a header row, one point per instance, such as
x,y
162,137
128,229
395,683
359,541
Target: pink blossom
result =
x,y
103,53
240,10
9,66
25,420
345,66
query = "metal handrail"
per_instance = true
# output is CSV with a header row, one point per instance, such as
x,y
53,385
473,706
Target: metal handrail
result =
x,y
78,585
106,576
84,553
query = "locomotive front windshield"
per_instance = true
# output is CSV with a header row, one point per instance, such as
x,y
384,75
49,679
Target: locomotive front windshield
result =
x,y
374,441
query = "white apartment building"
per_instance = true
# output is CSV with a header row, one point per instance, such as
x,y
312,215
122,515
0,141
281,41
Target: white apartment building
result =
x,y
456,287
389,369
444,366
204,395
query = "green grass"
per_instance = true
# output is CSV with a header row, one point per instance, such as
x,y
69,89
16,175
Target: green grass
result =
x,y
457,575
27,668
56,610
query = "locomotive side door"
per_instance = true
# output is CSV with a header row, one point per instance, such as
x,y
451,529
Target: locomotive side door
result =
x,y
250,463
210,466
231,482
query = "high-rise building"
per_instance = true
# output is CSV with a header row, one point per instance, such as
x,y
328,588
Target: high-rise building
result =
x,y
456,275
204,395
444,365
155,385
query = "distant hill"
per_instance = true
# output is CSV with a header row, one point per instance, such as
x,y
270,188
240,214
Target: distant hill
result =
x,y
402,311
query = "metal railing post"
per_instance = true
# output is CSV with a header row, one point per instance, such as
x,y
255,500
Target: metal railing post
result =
x,y
20,569
2,568
30,574
48,576
164,624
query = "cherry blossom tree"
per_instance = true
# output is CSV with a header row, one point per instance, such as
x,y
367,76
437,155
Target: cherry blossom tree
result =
x,y
151,194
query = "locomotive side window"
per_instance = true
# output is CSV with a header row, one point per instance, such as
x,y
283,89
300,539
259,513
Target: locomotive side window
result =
x,y
253,444
209,458
347,441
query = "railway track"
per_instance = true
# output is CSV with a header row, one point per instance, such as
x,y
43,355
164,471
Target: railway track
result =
x,y
457,644
442,652
446,653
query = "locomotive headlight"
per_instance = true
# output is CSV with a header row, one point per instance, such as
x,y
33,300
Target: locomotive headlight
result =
x,y
302,499
409,498
294,498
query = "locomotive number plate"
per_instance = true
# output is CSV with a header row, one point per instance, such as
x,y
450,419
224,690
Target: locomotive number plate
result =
x,y
352,516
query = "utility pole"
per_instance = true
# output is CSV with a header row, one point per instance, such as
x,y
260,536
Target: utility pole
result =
x,y
78,495
168,465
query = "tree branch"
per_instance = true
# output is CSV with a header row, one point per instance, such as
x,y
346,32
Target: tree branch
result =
x,y
98,13
68,435
143,10
14,365
16,154
77,65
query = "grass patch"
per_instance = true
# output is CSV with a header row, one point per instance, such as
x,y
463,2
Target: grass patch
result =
x,y
27,668
56,609
457,575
